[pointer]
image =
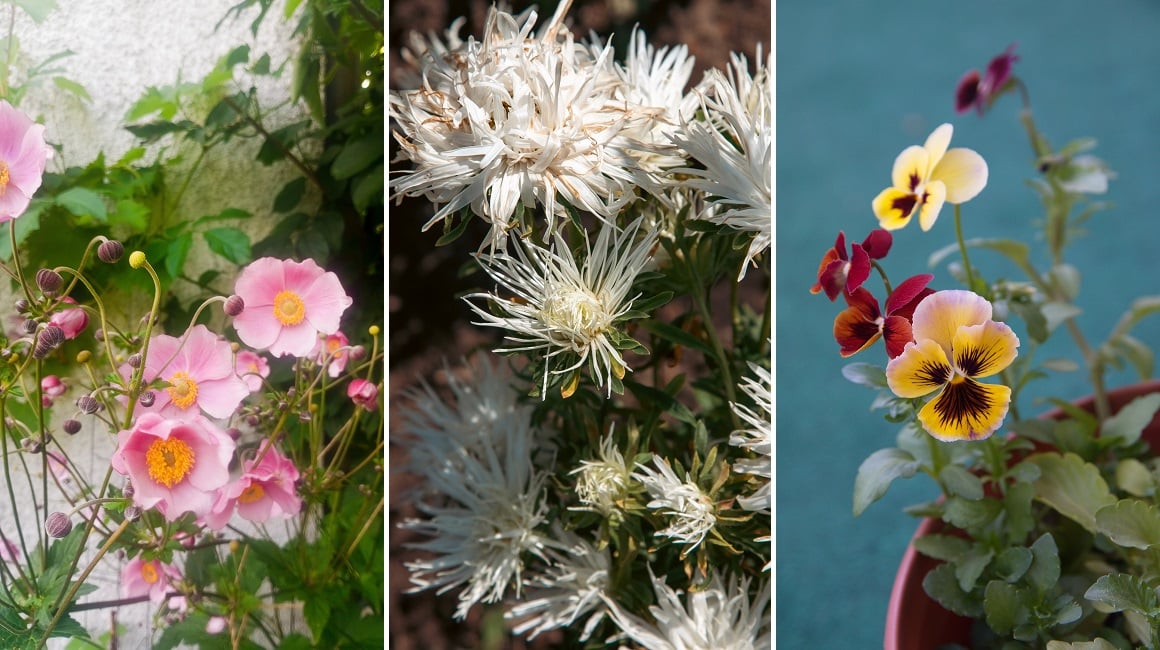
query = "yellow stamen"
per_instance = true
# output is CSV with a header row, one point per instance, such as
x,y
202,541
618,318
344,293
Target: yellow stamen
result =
x,y
183,392
149,573
288,308
252,493
4,177
169,461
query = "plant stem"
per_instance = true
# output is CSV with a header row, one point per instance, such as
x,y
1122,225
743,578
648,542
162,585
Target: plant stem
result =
x,y
72,593
963,248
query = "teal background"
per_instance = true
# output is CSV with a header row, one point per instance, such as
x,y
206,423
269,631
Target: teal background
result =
x,y
857,83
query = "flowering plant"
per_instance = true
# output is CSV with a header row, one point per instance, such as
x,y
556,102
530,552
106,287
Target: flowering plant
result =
x,y
1047,527
607,478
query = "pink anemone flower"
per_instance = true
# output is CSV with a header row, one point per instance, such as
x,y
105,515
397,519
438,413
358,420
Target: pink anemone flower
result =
x,y
177,466
364,393
23,155
333,351
199,371
265,489
252,368
147,578
287,304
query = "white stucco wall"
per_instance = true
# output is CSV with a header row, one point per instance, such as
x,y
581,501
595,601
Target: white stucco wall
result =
x,y
121,47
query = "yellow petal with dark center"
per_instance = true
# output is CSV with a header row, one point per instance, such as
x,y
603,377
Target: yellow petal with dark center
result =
x,y
894,207
964,172
933,197
940,315
966,410
984,350
910,168
921,369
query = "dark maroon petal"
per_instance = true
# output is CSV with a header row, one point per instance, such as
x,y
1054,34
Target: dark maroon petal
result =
x,y
907,310
840,245
859,268
897,333
831,278
967,92
859,325
877,243
906,292
998,71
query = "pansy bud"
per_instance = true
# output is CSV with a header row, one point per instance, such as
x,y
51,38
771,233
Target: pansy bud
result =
x,y
58,525
48,280
110,251
234,305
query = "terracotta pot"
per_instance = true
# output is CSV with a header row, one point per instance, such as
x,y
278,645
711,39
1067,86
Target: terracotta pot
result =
x,y
916,622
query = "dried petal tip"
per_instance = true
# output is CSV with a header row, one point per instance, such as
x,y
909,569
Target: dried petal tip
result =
x,y
234,305
50,337
71,427
110,251
48,280
58,525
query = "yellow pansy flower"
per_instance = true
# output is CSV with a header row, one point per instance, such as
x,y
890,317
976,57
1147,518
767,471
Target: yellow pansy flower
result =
x,y
926,177
955,343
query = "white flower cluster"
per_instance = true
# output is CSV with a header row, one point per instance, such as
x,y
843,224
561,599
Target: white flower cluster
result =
x,y
758,438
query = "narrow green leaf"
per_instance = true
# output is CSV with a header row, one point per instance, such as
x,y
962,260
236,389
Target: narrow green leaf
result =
x,y
68,85
876,474
1130,522
1136,352
1121,592
676,335
1071,486
290,195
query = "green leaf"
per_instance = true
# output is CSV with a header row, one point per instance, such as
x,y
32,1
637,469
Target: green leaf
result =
x,y
1012,563
82,201
239,54
70,86
176,252
1073,487
940,584
356,156
130,213
968,514
877,472
1130,522
1065,277
1005,606
1056,313
1136,352
959,481
1060,365
230,243
1129,422
942,547
970,567
1099,643
676,335
290,195
367,189
1133,477
865,374
1043,573
38,10
1121,592
1014,250
1140,309
317,613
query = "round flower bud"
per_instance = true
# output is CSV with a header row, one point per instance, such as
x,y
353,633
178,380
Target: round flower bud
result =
x,y
357,353
50,338
83,356
29,326
137,259
22,306
132,513
234,305
110,251
30,445
88,404
234,433
48,280
373,330
58,525
128,490
147,398
134,360
71,427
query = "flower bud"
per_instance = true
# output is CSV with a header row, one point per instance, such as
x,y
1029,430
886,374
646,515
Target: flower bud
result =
x,y
128,491
234,305
58,525
88,404
48,280
234,433
137,259
83,356
134,360
110,251
147,398
31,445
22,306
357,353
29,326
50,338
71,427
132,513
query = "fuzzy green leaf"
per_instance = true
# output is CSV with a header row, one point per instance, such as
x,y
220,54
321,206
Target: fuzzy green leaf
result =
x,y
1135,352
1056,313
1130,522
1130,421
1071,486
1066,278
876,474
961,482
967,514
1005,606
969,568
941,585
1013,563
1043,574
1121,592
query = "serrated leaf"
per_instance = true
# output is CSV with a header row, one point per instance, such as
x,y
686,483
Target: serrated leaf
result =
x,y
1121,592
1130,522
877,472
1043,574
941,585
1005,606
961,482
865,374
1129,422
970,567
176,252
1073,487
1012,563
82,201
230,243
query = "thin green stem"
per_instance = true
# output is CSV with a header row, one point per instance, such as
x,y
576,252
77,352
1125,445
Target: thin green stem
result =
x,y
700,291
963,248
76,585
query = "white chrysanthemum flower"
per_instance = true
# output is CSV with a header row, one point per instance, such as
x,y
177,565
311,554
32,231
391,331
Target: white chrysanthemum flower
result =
x,y
758,438
690,512
720,616
563,308
482,411
479,536
603,482
513,119
735,145
567,591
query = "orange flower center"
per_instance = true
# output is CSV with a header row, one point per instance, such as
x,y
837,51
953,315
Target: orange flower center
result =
x,y
4,177
169,461
288,308
252,493
149,573
183,392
